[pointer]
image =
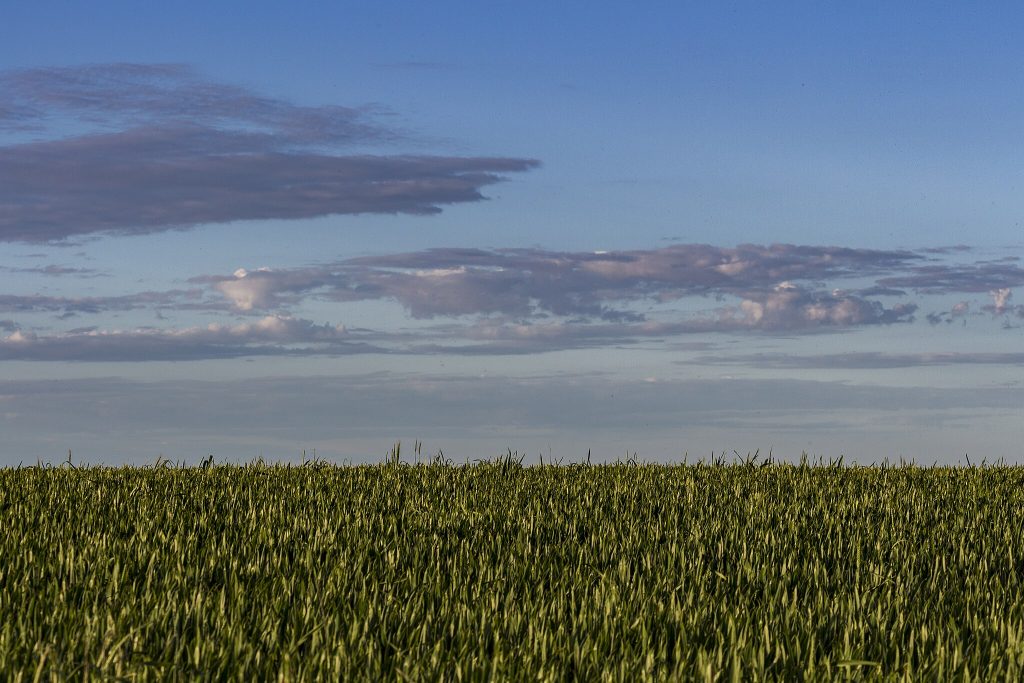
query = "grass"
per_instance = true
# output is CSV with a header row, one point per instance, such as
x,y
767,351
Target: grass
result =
x,y
706,572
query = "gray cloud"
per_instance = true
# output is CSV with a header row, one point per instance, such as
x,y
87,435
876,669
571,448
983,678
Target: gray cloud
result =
x,y
167,149
133,95
869,360
696,267
533,283
487,335
978,277
40,303
503,336
952,249
54,270
521,301
269,336
881,291
958,311
789,309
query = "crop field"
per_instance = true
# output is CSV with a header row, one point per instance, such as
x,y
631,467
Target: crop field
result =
x,y
498,571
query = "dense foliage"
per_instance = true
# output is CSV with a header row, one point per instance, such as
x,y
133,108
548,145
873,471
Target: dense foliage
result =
x,y
496,570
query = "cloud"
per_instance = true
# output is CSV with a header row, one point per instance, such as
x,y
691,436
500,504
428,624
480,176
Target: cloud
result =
x,y
503,336
696,266
790,307
39,303
1000,298
866,360
954,278
266,289
166,149
137,95
1001,305
958,311
519,301
271,335
534,283
54,270
788,310
514,301
881,291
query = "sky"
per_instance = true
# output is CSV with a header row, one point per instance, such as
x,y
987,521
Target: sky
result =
x,y
658,230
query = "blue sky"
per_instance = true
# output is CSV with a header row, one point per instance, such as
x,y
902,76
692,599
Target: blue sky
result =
x,y
664,229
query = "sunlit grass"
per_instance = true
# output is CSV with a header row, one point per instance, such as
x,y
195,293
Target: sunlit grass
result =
x,y
747,571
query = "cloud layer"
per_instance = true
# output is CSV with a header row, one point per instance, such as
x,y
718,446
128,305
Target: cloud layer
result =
x,y
774,285
268,336
943,278
520,301
133,149
863,360
68,306
775,288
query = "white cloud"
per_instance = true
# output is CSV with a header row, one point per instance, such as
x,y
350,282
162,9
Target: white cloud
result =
x,y
20,337
246,293
1001,298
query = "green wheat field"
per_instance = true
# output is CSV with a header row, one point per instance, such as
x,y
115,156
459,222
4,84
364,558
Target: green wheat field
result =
x,y
741,571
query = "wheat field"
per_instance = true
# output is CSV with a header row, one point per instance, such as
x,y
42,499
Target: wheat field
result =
x,y
499,571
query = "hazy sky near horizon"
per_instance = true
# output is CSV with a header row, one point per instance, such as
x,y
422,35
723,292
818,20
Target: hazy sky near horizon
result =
x,y
254,229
